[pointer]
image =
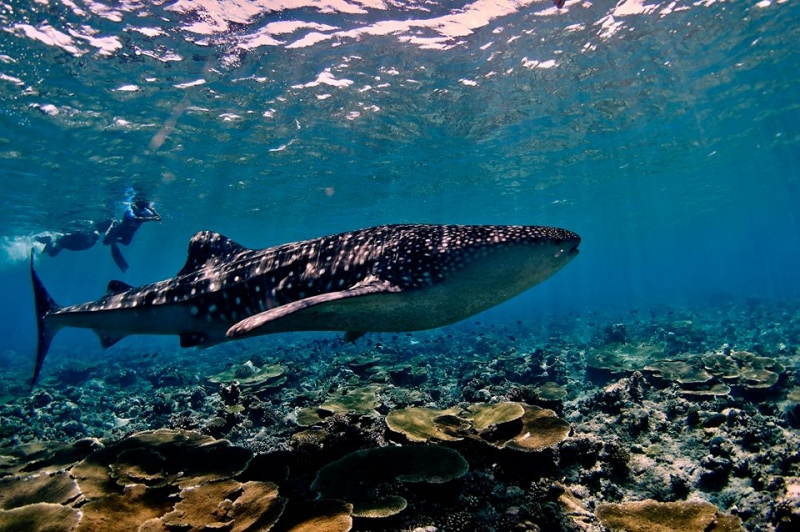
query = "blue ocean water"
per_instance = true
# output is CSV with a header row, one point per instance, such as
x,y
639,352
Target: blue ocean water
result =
x,y
666,134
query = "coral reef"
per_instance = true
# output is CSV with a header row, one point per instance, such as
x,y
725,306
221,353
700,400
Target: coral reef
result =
x,y
357,476
675,419
652,516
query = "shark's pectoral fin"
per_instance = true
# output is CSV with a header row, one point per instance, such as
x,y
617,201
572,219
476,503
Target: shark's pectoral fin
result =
x,y
107,340
250,326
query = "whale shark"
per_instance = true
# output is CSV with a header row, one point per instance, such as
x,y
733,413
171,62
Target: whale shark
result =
x,y
389,278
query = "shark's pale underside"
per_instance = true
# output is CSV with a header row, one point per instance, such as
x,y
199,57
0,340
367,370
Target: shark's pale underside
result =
x,y
389,278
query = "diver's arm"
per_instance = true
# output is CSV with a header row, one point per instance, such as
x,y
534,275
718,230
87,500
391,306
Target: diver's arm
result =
x,y
146,215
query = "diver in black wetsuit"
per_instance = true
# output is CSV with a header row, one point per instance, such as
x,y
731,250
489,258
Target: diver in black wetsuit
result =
x,y
121,232
73,241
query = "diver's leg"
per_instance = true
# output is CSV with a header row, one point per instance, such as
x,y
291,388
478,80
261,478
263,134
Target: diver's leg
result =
x,y
49,248
111,233
126,237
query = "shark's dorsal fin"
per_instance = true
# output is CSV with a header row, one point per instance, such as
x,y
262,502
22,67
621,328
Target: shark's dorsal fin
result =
x,y
206,247
117,287
250,326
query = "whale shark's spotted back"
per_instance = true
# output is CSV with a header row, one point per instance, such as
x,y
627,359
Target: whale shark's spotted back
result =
x,y
408,256
385,278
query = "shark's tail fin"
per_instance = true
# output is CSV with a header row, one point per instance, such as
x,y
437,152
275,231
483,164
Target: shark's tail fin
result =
x,y
44,306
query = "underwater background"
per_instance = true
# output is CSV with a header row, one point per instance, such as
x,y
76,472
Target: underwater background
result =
x,y
665,133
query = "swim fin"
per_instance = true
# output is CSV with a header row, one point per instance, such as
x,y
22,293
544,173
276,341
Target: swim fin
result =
x,y
116,254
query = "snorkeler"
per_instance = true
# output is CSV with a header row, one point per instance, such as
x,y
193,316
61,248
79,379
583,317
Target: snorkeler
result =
x,y
73,241
138,212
